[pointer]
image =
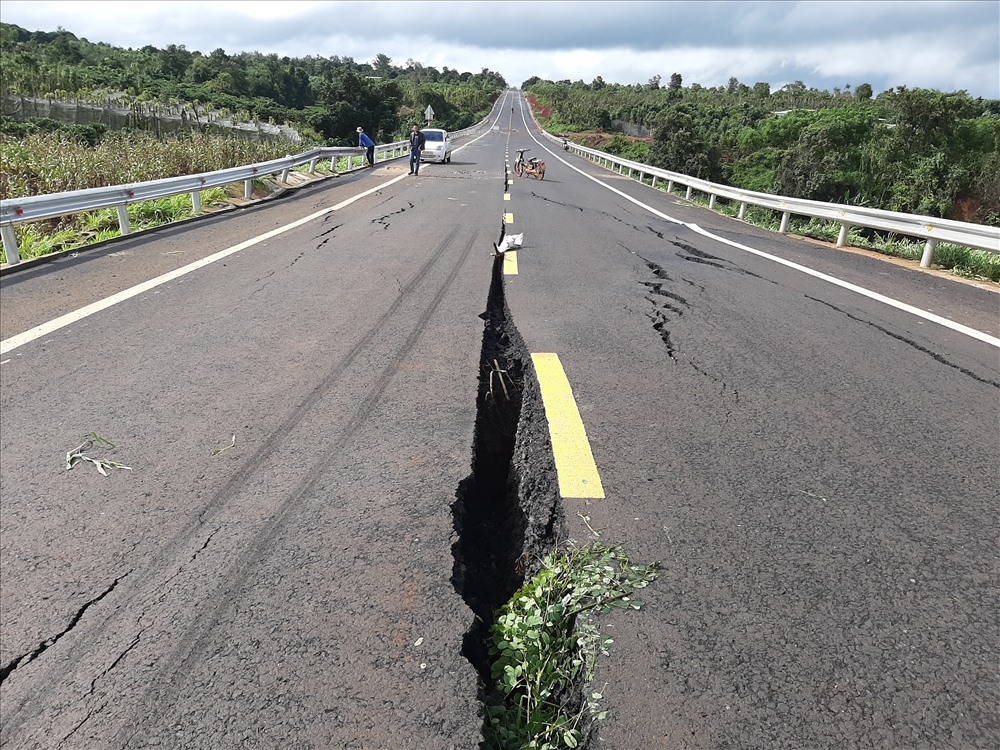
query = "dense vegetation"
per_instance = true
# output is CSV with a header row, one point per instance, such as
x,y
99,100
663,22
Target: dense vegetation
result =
x,y
175,100
916,151
911,150
323,98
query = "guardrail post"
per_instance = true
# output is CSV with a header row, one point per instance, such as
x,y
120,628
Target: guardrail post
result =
x,y
783,229
248,189
925,259
123,223
711,200
654,180
195,202
312,166
687,195
743,212
842,235
333,164
670,186
284,175
10,245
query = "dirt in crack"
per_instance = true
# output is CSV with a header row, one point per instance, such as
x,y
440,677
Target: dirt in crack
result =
x,y
488,518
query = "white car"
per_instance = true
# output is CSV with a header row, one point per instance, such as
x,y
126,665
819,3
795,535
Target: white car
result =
x,y
437,145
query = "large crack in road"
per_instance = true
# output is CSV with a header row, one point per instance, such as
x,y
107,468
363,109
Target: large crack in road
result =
x,y
507,512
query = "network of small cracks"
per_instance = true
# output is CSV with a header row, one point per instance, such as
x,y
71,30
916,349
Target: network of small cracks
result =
x,y
30,656
326,235
135,642
670,306
384,220
698,256
939,357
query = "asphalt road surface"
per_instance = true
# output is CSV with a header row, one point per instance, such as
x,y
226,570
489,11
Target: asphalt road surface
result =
x,y
310,519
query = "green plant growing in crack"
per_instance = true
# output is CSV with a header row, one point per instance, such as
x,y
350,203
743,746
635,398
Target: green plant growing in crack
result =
x,y
544,644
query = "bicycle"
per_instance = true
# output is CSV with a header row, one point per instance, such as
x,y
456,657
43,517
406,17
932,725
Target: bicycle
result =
x,y
532,167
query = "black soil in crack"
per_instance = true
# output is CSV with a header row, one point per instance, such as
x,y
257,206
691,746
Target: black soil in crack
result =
x,y
488,520
507,513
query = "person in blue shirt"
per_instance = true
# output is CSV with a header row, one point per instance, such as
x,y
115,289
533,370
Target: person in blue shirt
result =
x,y
365,142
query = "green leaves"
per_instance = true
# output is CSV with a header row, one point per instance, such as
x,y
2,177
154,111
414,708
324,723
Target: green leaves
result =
x,y
543,644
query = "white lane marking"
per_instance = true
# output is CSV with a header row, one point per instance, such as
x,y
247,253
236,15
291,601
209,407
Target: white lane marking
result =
x,y
485,132
45,329
957,327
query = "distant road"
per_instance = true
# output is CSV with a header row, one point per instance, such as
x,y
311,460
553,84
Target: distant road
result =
x,y
294,556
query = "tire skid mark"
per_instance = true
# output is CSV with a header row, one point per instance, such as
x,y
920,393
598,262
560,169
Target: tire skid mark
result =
x,y
201,629
148,584
648,228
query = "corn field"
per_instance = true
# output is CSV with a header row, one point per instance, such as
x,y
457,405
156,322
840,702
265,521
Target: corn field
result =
x,y
43,163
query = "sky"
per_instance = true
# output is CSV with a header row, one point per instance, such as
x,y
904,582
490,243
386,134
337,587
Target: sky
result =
x,y
826,44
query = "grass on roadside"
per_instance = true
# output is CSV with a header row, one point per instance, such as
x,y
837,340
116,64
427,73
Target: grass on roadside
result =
x,y
962,261
42,163
70,232
80,230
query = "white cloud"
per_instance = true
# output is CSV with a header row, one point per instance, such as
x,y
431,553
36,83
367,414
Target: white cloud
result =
x,y
942,45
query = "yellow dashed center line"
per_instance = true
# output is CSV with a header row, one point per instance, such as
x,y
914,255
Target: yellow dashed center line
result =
x,y
508,218
510,263
578,476
506,196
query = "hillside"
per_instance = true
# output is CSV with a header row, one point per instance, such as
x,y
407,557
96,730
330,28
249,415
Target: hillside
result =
x,y
915,151
322,98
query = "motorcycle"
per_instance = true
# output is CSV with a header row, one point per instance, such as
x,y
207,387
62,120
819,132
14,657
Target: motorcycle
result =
x,y
533,166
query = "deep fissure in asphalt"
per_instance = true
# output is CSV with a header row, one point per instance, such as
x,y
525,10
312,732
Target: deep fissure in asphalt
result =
x,y
507,512
488,519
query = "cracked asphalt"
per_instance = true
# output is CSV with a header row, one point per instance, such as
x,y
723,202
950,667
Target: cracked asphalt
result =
x,y
816,472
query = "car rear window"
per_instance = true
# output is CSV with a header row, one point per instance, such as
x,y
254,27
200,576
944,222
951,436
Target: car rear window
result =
x,y
433,135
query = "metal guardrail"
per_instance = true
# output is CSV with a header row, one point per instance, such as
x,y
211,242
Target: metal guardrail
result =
x,y
932,230
38,207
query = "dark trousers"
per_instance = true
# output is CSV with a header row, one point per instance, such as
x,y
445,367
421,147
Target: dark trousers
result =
x,y
415,162
371,156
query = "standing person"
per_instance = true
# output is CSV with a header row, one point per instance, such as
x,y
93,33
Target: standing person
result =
x,y
417,144
365,142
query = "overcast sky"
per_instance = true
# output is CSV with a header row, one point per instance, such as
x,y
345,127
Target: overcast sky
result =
x,y
916,43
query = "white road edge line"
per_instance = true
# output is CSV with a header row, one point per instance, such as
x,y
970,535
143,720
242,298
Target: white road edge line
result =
x,y
44,329
957,327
